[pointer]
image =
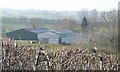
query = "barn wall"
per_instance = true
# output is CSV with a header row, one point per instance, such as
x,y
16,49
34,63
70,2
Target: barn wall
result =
x,y
53,41
63,38
67,38
53,38
43,37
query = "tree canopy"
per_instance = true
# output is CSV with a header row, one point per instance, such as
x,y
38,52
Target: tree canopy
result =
x,y
84,24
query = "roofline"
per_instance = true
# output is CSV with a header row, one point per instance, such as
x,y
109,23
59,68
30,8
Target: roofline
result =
x,y
53,31
36,28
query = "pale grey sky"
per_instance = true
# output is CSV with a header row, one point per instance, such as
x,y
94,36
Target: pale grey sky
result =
x,y
60,5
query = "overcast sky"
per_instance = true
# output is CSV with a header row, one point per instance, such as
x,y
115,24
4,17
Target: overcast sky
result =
x,y
60,5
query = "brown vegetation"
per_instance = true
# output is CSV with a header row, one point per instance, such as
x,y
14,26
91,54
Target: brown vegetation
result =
x,y
16,57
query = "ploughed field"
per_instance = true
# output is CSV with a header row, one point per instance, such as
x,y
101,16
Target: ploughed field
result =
x,y
38,57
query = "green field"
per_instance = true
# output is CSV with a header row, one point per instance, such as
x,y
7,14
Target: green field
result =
x,y
49,47
12,26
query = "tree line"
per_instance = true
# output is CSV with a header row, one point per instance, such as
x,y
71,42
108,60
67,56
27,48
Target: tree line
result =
x,y
24,19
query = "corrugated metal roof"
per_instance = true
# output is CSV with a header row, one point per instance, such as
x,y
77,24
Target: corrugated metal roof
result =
x,y
61,31
37,30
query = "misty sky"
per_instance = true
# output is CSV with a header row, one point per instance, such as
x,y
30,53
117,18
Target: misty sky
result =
x,y
60,5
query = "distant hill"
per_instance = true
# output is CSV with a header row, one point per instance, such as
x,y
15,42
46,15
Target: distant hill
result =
x,y
31,13
39,13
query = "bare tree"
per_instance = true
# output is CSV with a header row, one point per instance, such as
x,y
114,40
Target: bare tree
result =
x,y
110,18
68,23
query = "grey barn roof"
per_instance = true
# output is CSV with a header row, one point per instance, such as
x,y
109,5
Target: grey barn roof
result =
x,y
37,30
60,32
42,30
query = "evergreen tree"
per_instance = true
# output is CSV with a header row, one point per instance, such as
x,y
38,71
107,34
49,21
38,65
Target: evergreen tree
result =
x,y
84,24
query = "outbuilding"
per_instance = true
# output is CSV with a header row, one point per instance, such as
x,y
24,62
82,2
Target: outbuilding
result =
x,y
43,35
61,36
35,34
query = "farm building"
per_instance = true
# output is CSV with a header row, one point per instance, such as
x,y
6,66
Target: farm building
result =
x,y
43,35
38,34
61,36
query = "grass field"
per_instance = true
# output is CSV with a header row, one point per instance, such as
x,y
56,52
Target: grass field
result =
x,y
55,47
11,27
51,47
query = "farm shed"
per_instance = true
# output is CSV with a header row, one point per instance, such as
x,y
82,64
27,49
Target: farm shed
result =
x,y
43,35
61,36
37,34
